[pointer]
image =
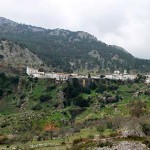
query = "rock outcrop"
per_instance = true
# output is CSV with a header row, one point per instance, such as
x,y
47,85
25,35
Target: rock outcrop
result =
x,y
14,58
132,129
126,145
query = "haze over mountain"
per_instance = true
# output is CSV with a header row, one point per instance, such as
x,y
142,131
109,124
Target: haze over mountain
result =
x,y
69,51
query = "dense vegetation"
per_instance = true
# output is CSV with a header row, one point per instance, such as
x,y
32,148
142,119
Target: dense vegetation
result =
x,y
72,51
41,109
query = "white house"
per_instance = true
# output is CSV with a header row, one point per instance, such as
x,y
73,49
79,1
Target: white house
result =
x,y
62,76
147,79
118,76
31,71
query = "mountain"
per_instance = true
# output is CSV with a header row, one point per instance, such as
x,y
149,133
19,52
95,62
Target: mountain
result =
x,y
14,58
4,21
69,51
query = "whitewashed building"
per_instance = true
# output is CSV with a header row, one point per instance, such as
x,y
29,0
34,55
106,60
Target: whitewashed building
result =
x,y
36,74
147,79
118,76
31,71
62,76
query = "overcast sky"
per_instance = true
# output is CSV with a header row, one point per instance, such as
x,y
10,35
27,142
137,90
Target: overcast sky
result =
x,y
125,23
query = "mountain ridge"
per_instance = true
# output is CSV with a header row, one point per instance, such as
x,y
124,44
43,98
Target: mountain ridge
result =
x,y
68,51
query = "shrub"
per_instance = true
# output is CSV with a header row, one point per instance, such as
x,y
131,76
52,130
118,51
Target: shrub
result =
x,y
80,101
44,98
101,129
26,137
146,142
15,80
90,136
2,75
1,92
137,108
146,128
37,107
101,88
77,141
2,47
1,56
114,134
112,87
63,143
109,125
147,92
104,144
23,96
3,139
85,144
4,124
50,88
112,99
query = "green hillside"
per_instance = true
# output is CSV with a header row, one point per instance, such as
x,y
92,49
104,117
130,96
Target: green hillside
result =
x,y
69,51
30,107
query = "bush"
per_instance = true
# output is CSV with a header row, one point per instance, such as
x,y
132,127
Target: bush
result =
x,y
104,144
3,139
83,146
44,98
2,47
146,142
26,137
101,129
109,125
147,93
1,56
114,134
80,101
146,128
90,136
15,80
4,124
101,88
37,107
1,92
63,143
77,141
50,88
2,76
112,99
112,87
23,96
137,108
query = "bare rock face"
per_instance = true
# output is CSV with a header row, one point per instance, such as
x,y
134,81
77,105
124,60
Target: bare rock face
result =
x,y
132,129
15,57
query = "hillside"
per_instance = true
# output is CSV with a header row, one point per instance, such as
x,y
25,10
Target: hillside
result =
x,y
14,58
41,113
69,51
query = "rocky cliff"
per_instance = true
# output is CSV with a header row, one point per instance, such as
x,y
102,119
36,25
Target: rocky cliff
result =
x,y
14,58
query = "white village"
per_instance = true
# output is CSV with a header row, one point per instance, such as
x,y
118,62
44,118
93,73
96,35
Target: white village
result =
x,y
117,75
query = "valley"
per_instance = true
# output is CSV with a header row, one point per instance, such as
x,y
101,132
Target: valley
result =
x,y
66,90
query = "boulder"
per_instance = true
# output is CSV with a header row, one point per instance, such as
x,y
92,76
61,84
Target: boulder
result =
x,y
132,129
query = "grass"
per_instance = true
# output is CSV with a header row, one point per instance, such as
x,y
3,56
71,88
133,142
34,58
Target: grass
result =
x,y
84,133
51,114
